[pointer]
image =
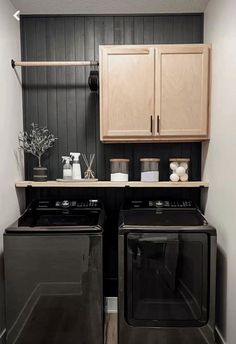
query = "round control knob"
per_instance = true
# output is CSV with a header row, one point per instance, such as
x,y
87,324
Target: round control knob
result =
x,y
65,204
159,203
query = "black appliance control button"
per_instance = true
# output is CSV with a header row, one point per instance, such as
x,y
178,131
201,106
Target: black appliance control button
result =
x,y
58,204
82,205
65,204
159,203
93,203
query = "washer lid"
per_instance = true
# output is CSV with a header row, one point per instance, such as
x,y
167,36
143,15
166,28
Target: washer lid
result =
x,y
83,218
60,216
162,217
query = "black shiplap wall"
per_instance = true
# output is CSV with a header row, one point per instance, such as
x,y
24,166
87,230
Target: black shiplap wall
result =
x,y
60,99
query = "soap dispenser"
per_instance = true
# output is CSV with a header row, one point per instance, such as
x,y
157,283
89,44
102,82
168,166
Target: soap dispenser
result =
x,y
67,168
76,169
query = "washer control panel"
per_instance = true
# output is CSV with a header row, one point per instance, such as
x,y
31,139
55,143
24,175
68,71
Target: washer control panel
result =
x,y
92,203
68,204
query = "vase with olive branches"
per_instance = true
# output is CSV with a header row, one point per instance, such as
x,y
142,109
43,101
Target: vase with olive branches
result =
x,y
36,142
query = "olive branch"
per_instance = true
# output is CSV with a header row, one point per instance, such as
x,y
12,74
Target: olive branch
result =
x,y
37,141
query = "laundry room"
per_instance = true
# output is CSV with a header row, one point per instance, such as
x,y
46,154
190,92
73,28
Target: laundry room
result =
x,y
116,183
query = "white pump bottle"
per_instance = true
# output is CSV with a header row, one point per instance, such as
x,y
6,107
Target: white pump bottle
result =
x,y
76,169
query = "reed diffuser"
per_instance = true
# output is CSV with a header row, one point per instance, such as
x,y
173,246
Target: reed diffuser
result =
x,y
89,173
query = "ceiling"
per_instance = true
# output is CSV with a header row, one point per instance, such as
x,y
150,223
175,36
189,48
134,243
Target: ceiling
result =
x,y
108,6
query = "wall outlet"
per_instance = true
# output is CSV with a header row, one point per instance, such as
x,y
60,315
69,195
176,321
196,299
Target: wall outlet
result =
x,y
111,305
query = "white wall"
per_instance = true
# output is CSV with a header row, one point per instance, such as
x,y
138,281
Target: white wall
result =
x,y
220,162
10,124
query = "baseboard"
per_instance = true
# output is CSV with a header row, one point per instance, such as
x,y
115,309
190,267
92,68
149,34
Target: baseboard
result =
x,y
219,338
3,337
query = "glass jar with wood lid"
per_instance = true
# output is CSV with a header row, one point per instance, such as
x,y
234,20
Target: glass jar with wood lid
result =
x,y
149,169
179,169
119,170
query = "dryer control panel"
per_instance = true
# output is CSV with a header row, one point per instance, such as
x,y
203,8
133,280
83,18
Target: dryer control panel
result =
x,y
162,204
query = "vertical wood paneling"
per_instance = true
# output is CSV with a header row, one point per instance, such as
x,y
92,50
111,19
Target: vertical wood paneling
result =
x,y
80,85
138,30
104,34
62,142
128,30
89,96
52,94
70,85
178,29
119,30
197,22
180,25
163,30
41,77
108,31
148,30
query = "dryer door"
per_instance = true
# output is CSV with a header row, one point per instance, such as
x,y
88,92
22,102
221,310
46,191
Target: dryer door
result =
x,y
167,279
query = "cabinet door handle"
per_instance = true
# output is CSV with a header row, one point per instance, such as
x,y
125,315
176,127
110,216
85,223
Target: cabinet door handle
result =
x,y
158,124
151,123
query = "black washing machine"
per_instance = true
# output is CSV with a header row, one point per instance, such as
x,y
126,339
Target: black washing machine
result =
x,y
167,273
54,275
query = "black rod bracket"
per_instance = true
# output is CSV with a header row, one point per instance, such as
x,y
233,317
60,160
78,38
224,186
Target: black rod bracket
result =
x,y
13,64
93,80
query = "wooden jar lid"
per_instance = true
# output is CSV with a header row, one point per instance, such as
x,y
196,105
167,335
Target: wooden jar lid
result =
x,y
119,160
180,159
150,159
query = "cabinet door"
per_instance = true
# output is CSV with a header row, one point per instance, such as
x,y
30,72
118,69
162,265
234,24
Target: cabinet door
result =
x,y
181,101
126,92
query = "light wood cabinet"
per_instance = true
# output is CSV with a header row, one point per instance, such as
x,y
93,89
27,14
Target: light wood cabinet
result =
x,y
127,92
181,100
154,93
